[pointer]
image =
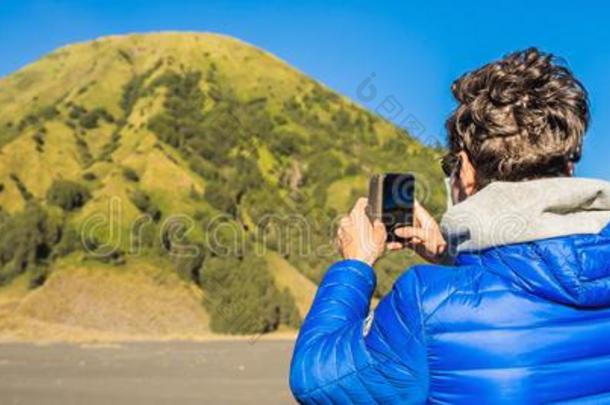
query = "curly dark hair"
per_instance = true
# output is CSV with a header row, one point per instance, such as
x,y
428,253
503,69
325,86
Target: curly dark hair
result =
x,y
519,118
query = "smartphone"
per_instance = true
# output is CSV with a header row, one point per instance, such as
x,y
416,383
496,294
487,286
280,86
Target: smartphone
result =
x,y
391,200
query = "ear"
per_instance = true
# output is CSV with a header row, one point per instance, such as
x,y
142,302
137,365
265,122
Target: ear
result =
x,y
468,175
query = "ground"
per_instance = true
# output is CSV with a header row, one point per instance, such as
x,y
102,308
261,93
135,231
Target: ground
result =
x,y
220,372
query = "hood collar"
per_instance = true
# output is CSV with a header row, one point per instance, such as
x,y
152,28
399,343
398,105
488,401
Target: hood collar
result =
x,y
506,213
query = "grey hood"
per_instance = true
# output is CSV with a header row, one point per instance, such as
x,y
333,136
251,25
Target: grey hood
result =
x,y
505,213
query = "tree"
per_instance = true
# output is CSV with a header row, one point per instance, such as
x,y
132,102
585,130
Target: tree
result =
x,y
221,197
242,297
68,195
27,240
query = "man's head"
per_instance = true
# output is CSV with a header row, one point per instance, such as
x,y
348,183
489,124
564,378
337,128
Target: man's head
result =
x,y
522,117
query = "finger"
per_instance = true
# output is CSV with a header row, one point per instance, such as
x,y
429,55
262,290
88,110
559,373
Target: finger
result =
x,y
417,241
342,228
359,207
345,221
421,215
418,214
394,246
410,232
338,242
413,243
343,235
379,232
340,245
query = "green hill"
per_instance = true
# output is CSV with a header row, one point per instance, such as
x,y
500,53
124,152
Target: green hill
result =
x,y
193,153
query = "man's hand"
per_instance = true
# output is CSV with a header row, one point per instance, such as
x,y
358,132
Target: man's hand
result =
x,y
357,238
424,236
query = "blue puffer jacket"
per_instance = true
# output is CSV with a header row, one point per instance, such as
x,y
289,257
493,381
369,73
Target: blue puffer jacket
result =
x,y
521,323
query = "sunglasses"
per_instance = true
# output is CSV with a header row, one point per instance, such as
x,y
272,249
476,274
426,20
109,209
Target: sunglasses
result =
x,y
450,163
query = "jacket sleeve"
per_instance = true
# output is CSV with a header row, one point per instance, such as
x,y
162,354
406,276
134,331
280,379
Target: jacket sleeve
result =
x,y
343,356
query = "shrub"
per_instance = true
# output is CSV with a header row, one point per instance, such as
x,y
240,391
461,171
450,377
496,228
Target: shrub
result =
x,y
233,285
110,146
89,119
133,89
27,240
126,56
323,169
83,151
130,174
187,260
352,169
114,257
68,195
70,242
146,206
38,138
89,176
286,143
182,116
289,314
38,275
220,196
49,112
23,190
76,112
30,119
280,120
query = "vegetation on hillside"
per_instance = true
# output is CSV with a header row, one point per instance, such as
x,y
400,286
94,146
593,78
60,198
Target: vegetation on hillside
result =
x,y
68,195
30,241
216,152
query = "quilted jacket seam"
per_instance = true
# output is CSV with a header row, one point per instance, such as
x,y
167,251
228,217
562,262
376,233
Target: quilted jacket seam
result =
x,y
311,391
499,257
357,271
366,387
403,324
542,257
532,366
336,283
450,295
424,333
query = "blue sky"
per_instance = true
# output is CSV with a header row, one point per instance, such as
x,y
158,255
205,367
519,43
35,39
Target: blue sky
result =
x,y
411,50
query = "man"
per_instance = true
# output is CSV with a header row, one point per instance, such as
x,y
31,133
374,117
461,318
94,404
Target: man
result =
x,y
523,313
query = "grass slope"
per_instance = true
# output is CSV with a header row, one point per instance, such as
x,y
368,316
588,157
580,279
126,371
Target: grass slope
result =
x,y
174,125
83,300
